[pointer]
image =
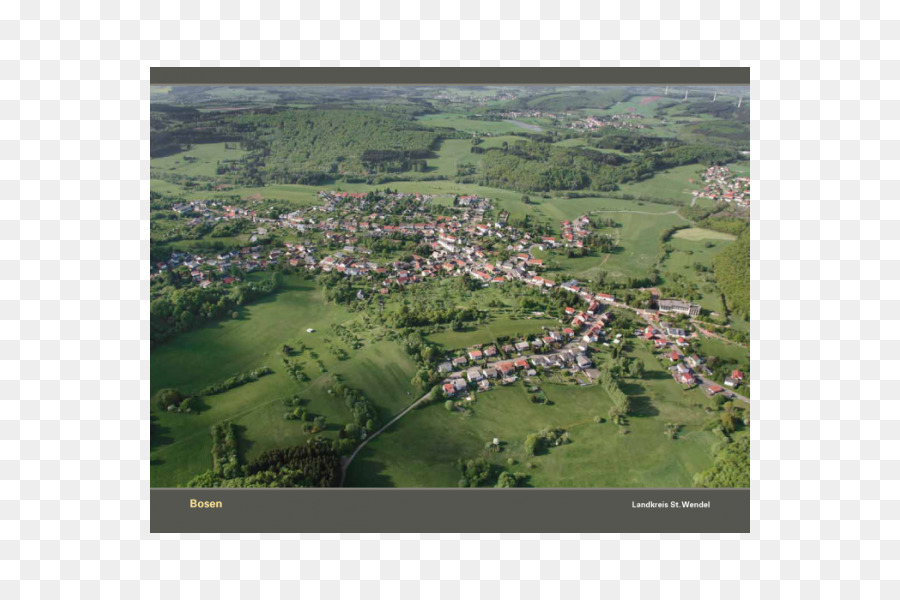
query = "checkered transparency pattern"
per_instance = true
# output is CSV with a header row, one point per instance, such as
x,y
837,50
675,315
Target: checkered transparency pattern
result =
x,y
74,341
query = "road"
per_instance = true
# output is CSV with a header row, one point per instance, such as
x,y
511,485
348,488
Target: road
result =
x,y
346,462
705,381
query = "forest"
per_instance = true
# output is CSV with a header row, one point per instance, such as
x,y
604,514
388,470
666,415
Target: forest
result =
x,y
539,167
732,268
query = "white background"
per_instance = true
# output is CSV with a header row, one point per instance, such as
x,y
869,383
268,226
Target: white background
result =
x,y
74,335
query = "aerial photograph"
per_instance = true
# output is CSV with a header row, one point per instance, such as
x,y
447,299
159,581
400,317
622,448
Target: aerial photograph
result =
x,y
450,286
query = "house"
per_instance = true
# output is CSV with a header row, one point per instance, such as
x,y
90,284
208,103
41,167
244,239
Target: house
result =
x,y
685,378
681,342
522,346
459,361
475,355
713,390
491,373
506,368
449,390
521,363
458,384
674,356
445,367
583,361
682,368
731,382
537,343
474,374
508,349
484,385
738,375
490,351
569,331
695,361
679,306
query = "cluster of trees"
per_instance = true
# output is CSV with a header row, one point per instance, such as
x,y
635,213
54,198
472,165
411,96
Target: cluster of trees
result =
x,y
425,356
732,268
422,316
295,370
731,467
224,451
176,309
535,443
364,412
236,381
625,140
511,480
474,472
621,404
172,400
315,464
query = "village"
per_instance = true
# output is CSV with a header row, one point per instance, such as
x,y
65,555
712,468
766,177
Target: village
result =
x,y
629,120
456,241
721,185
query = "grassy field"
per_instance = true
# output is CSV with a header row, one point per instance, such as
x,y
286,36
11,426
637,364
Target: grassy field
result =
x,y
205,158
463,123
697,246
450,154
484,334
740,169
636,253
422,449
700,234
181,443
672,184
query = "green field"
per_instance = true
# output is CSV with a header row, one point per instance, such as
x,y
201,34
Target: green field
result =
x,y
497,327
671,184
422,449
199,161
450,154
700,234
637,252
463,123
181,443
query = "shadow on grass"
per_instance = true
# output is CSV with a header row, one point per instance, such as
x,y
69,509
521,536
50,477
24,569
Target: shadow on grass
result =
x,y
159,434
367,472
244,444
642,406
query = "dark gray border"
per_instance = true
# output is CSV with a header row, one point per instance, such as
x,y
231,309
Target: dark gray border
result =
x,y
426,510
450,76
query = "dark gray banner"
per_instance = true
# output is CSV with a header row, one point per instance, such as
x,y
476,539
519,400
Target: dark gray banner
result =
x,y
450,76
449,510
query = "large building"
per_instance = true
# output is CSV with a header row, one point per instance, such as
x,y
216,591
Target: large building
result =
x,y
679,306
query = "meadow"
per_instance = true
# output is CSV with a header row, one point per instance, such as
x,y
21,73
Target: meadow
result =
x,y
636,253
200,161
461,122
423,447
181,443
671,184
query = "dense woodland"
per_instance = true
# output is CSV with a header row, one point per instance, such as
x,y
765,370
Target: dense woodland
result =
x,y
538,167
